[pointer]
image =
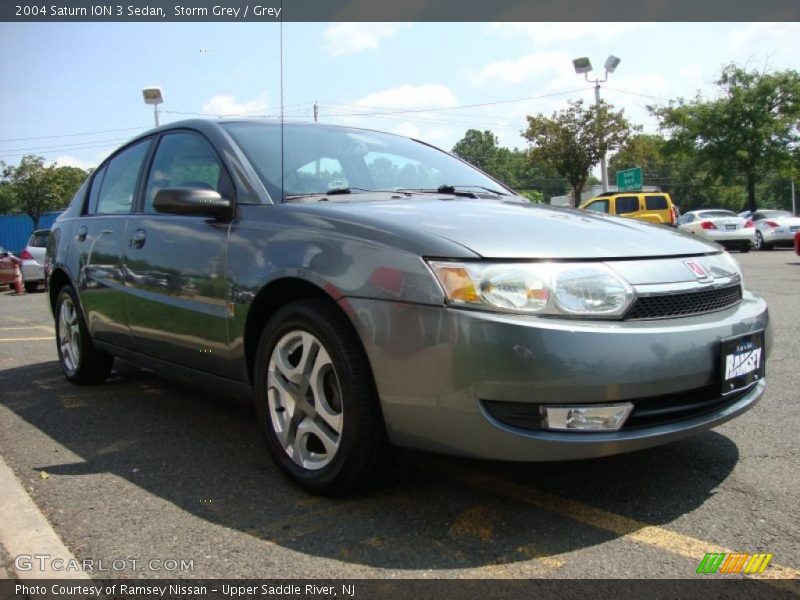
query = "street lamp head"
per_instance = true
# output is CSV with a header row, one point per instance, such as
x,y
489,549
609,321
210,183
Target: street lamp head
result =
x,y
582,65
612,62
152,95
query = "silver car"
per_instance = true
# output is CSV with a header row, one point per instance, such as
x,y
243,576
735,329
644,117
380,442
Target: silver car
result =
x,y
427,305
724,227
775,228
32,257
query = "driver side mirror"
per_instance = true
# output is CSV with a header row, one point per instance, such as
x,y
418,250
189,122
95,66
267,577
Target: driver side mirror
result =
x,y
191,201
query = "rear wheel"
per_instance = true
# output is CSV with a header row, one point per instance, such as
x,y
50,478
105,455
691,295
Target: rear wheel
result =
x,y
316,400
80,361
760,243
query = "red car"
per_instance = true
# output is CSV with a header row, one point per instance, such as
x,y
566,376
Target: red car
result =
x,y
797,242
7,261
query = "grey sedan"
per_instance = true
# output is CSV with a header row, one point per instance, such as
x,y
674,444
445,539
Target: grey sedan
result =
x,y
368,290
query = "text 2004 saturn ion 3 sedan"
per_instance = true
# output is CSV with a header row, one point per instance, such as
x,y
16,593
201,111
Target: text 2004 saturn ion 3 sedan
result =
x,y
369,290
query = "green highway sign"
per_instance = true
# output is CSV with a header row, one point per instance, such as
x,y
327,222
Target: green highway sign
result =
x,y
629,180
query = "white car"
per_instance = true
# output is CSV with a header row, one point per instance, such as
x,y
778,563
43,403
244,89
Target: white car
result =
x,y
722,226
775,228
33,259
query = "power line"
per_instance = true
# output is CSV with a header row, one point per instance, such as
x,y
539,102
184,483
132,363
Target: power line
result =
x,y
63,135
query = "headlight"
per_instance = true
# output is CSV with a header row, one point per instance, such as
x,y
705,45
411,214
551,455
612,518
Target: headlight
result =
x,y
567,289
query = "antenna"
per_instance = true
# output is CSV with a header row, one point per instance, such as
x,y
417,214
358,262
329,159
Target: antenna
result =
x,y
283,193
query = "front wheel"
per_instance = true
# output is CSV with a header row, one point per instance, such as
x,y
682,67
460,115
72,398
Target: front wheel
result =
x,y
316,400
80,361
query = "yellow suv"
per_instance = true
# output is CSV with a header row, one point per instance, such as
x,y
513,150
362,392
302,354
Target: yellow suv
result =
x,y
653,207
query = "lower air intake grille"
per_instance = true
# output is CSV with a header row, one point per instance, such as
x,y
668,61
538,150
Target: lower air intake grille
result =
x,y
685,304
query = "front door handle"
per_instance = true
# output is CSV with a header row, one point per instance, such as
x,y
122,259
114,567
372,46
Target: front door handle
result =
x,y
82,232
137,239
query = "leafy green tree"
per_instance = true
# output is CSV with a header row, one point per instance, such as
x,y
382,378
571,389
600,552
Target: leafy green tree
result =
x,y
8,199
574,139
38,188
750,129
513,167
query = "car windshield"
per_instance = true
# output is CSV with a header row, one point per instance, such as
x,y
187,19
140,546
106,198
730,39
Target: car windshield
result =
x,y
713,214
318,159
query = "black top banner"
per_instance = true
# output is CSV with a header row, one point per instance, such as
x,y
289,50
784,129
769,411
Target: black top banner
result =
x,y
398,10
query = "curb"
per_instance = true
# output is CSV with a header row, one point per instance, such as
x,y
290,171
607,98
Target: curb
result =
x,y
24,530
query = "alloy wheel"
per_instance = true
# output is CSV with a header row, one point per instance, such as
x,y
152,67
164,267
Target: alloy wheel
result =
x,y
69,335
305,400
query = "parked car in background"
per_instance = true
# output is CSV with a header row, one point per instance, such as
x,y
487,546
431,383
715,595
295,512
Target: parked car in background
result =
x,y
722,226
7,261
428,306
33,260
775,228
653,207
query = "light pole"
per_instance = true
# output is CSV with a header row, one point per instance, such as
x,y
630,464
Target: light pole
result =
x,y
152,95
584,65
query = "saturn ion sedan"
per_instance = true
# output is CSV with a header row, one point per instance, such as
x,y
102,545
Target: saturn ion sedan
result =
x,y
722,226
368,290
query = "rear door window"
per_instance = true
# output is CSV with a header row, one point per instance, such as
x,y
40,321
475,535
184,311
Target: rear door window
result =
x,y
656,202
121,176
627,204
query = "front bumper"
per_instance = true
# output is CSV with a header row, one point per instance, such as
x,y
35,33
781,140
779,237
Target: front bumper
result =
x,y
435,368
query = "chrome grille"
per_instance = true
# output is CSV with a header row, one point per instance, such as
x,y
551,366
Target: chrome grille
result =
x,y
685,304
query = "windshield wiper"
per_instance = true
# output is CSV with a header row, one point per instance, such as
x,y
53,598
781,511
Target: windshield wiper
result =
x,y
456,190
337,192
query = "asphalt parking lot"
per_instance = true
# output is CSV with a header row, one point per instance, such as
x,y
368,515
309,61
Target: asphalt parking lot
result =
x,y
143,468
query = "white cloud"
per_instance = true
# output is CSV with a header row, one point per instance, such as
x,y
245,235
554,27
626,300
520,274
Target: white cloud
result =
x,y
524,68
758,33
228,105
71,161
411,96
352,38
545,34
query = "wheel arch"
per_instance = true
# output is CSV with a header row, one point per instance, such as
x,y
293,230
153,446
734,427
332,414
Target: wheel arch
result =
x,y
58,279
272,297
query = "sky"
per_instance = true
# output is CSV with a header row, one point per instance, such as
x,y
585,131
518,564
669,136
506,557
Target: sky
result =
x,y
71,92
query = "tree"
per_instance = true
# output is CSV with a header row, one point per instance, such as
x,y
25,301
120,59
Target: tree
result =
x,y
574,139
513,167
748,131
38,188
8,199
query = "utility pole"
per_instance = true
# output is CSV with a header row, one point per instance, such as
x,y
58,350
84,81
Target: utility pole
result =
x,y
316,111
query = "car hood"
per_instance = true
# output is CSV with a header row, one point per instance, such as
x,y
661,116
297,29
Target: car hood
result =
x,y
517,230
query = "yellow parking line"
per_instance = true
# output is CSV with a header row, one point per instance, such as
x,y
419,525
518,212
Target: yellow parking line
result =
x,y
630,529
29,339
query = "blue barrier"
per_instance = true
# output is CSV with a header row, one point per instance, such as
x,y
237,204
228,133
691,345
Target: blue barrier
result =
x,y
16,229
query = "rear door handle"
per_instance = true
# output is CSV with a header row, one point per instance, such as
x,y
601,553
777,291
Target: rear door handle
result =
x,y
82,233
137,239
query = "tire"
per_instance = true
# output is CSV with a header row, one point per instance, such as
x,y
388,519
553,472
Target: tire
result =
x,y
313,381
80,361
760,243
31,286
